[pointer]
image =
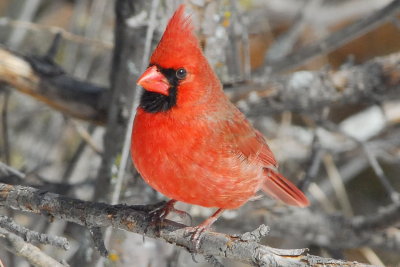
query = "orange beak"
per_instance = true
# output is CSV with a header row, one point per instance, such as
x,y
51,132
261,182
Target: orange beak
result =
x,y
154,81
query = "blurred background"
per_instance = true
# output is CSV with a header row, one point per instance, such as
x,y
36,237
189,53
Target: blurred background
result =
x,y
330,118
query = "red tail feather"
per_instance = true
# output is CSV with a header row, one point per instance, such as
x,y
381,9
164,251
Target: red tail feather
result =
x,y
280,188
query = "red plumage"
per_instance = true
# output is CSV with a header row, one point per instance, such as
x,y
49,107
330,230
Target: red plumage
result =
x,y
189,142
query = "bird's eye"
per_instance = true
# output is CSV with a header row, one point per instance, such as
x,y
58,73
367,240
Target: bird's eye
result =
x,y
181,73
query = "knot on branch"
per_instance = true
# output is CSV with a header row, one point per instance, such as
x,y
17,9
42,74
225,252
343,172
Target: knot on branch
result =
x,y
256,235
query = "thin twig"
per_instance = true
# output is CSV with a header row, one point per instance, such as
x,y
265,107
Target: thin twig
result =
x,y
9,170
31,253
85,135
394,195
385,217
284,44
55,30
28,12
338,185
32,236
92,30
76,156
4,127
338,38
98,240
314,163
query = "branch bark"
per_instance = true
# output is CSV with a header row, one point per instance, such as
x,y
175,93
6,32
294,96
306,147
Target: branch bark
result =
x,y
138,220
31,253
29,235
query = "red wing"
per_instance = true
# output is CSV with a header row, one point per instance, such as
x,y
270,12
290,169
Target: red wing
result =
x,y
251,143
253,146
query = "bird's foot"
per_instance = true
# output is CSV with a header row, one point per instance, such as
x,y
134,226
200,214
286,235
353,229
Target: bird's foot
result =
x,y
197,232
158,215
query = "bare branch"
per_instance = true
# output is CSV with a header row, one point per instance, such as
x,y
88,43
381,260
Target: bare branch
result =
x,y
98,240
137,219
338,38
46,81
55,30
385,217
32,254
32,236
329,231
307,91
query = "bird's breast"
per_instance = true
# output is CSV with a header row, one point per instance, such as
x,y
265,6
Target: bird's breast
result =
x,y
192,162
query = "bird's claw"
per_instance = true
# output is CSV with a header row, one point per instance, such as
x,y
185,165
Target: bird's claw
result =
x,y
196,233
158,215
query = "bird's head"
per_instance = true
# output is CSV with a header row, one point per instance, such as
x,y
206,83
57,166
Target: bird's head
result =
x,y
178,74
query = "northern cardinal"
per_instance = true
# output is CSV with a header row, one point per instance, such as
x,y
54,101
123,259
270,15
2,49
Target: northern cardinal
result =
x,y
189,142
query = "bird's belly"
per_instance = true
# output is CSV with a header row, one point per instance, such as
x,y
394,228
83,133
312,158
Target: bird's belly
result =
x,y
201,184
196,173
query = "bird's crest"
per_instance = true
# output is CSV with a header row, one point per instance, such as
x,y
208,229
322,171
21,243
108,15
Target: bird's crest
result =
x,y
178,43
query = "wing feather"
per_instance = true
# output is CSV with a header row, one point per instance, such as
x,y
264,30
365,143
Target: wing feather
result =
x,y
252,145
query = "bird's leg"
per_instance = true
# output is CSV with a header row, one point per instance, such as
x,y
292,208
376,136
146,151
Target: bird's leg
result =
x,y
197,231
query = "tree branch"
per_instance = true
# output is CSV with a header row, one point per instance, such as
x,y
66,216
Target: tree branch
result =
x,y
329,231
338,38
307,91
303,91
29,235
44,80
32,254
137,219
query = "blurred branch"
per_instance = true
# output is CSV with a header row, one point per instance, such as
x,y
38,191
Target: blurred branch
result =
x,y
285,43
307,91
44,80
328,231
4,127
28,12
31,253
337,39
128,46
377,79
86,137
4,21
32,236
137,219
98,240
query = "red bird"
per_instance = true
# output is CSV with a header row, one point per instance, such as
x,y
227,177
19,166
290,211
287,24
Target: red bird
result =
x,y
189,142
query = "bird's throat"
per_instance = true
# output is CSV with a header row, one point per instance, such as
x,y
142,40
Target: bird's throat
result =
x,y
154,102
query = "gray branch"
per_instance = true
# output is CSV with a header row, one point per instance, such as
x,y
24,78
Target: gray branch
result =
x,y
137,219
303,91
331,231
98,240
32,254
308,91
32,236
338,38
